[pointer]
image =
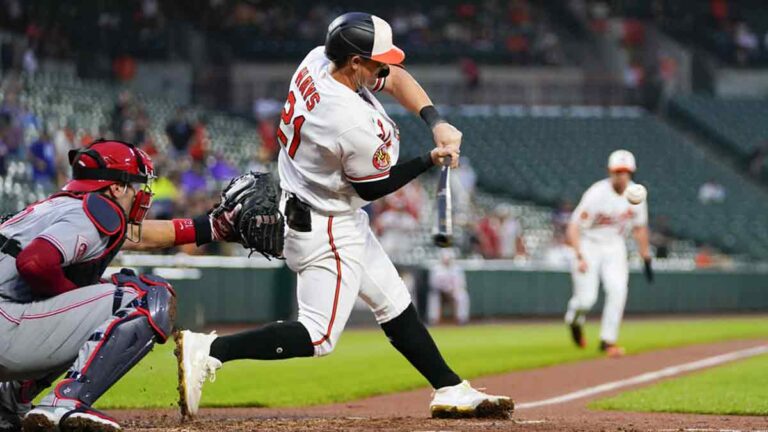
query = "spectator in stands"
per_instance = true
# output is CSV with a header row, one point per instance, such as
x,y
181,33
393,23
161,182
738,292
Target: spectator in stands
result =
x,y
193,178
510,231
200,143
705,257
124,68
12,118
561,216
463,182
267,113
29,62
179,131
120,112
447,278
43,158
63,142
396,226
221,170
711,192
488,237
470,72
262,161
166,194
500,235
558,254
746,42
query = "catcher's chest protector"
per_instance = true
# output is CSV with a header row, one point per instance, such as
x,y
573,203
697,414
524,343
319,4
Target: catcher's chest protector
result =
x,y
109,219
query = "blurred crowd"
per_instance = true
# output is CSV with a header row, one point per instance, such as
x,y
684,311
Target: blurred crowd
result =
x,y
190,174
508,30
736,31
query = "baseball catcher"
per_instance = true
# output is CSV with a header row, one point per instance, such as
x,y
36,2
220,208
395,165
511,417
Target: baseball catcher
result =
x,y
58,315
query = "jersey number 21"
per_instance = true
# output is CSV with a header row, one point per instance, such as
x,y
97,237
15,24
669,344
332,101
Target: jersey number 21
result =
x,y
297,122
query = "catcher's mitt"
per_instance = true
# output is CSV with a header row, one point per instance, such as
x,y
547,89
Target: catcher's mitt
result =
x,y
248,214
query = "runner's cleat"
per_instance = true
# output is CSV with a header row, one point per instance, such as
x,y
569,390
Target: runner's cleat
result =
x,y
611,350
577,334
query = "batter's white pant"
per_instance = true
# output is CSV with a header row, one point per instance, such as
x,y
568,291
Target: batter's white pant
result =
x,y
460,299
339,260
606,262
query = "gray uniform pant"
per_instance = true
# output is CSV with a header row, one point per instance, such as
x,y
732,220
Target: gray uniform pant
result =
x,y
42,338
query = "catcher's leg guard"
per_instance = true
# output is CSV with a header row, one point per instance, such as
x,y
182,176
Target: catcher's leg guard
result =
x,y
113,349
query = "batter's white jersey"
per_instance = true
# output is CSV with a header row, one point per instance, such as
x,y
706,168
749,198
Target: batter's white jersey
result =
x,y
603,215
332,136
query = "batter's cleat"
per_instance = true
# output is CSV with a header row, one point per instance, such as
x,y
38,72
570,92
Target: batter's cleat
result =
x,y
9,421
195,365
463,401
87,419
43,419
611,349
577,334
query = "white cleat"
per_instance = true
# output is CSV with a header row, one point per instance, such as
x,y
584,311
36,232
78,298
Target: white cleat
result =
x,y
463,401
195,367
87,419
43,419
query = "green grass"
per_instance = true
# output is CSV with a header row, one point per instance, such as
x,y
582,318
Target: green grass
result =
x,y
364,363
740,388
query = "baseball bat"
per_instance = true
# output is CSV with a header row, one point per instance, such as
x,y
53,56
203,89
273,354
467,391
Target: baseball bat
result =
x,y
444,235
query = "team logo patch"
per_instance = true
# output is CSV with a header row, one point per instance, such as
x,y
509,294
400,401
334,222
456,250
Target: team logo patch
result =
x,y
81,248
381,159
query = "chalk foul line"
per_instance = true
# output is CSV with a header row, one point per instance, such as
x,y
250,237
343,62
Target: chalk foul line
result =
x,y
648,377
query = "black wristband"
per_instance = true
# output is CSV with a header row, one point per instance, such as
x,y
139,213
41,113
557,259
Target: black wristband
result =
x,y
203,230
426,159
430,116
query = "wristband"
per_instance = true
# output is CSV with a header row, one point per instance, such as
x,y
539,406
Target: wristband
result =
x,y
203,229
430,116
185,231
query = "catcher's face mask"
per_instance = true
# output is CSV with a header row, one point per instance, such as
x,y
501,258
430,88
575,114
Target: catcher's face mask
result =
x,y
138,211
141,203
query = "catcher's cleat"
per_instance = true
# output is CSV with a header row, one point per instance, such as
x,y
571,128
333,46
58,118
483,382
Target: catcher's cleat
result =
x,y
577,334
87,419
195,365
463,401
43,419
611,349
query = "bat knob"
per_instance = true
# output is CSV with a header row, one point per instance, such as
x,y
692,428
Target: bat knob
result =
x,y
442,240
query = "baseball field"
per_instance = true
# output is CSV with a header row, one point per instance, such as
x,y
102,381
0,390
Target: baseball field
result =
x,y
710,368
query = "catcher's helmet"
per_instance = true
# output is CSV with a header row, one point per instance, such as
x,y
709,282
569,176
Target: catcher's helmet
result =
x,y
108,162
363,34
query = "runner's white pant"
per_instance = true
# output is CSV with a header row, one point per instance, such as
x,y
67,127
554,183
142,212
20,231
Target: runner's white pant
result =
x,y
339,260
606,262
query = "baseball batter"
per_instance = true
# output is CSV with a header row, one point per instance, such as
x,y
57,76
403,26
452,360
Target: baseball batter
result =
x,y
596,233
340,151
56,312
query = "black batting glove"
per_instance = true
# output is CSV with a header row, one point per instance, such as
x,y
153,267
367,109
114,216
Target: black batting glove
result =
x,y
648,270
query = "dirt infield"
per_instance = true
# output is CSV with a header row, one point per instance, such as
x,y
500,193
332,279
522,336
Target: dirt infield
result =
x,y
408,411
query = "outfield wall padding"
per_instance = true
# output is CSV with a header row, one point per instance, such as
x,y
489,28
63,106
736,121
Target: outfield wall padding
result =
x,y
257,295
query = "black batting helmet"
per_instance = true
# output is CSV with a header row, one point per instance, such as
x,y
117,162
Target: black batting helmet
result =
x,y
363,34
